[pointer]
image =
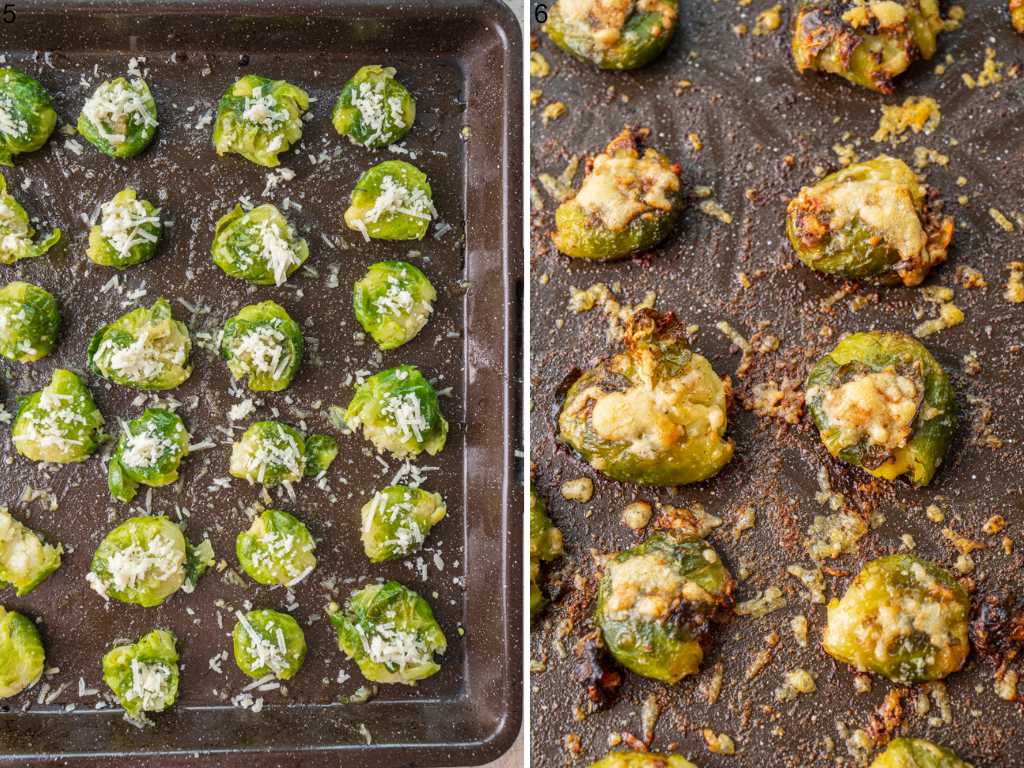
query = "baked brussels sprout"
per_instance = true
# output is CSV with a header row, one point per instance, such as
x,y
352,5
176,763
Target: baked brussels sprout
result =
x,y
1017,15
143,349
391,201
128,232
259,118
398,412
654,414
873,220
881,402
613,35
25,559
145,560
903,618
868,43
268,643
148,452
16,233
144,675
641,760
545,544
397,519
26,115
263,345
655,603
258,245
390,632
21,653
271,453
119,119
628,202
60,423
374,109
917,753
29,322
393,302
277,549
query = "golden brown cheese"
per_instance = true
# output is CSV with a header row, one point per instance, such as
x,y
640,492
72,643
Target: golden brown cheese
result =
x,y
618,189
885,207
643,588
879,406
887,13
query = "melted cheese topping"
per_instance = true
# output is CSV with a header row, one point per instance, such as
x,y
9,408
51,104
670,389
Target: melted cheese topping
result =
x,y
603,18
884,207
618,189
888,13
643,588
878,406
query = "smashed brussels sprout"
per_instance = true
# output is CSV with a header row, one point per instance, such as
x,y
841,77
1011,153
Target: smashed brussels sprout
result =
x,y
144,349
259,118
277,549
29,322
145,560
144,675
868,43
119,119
917,753
545,545
271,453
16,233
391,201
398,412
393,302
903,618
321,451
268,643
148,452
258,245
60,423
1017,15
641,760
21,653
655,603
263,345
396,521
374,109
613,34
25,559
26,115
628,202
390,632
873,220
881,402
128,232
654,414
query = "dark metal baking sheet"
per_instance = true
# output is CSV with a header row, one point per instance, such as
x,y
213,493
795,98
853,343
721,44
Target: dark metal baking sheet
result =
x,y
750,110
462,61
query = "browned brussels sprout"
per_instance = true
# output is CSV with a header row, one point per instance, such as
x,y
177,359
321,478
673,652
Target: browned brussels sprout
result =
x,y
613,34
1017,15
545,545
641,760
917,753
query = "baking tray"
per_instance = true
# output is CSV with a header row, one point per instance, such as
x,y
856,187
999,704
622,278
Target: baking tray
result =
x,y
462,61
751,109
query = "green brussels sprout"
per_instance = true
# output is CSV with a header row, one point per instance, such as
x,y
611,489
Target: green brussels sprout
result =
x,y
119,119
60,423
25,559
263,345
397,519
545,545
1017,15
144,675
268,643
21,653
655,603
29,322
917,753
641,760
398,412
148,452
321,451
654,414
391,201
873,220
613,35
145,560
869,44
390,632
628,202
374,109
144,349
277,549
271,453
128,232
16,233
26,115
393,302
903,618
258,245
259,118
881,402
